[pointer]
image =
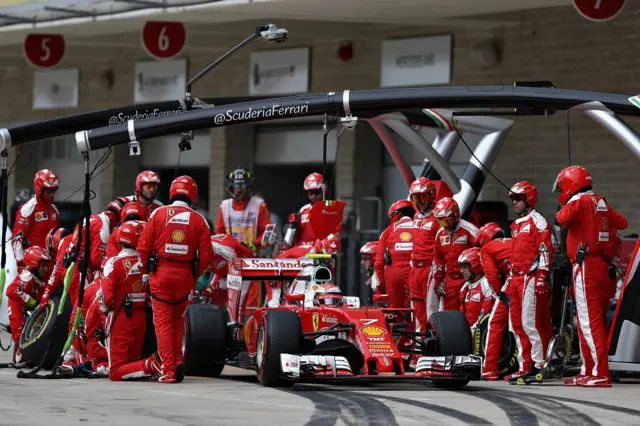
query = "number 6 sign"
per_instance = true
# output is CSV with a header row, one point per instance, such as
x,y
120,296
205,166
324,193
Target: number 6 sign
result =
x,y
163,40
44,50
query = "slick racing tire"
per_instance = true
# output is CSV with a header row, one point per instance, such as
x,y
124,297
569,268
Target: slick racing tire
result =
x,y
280,333
204,345
508,361
453,337
42,326
150,344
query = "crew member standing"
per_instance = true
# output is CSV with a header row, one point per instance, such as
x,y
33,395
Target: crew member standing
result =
x,y
36,217
530,315
591,227
393,253
245,217
147,183
454,236
423,195
175,249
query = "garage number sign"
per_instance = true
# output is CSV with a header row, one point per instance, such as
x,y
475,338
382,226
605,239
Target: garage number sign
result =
x,y
44,50
599,10
163,39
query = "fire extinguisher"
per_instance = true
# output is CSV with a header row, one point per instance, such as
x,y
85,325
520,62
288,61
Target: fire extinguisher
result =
x,y
290,229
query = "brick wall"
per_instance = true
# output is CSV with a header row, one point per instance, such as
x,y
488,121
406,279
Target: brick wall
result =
x,y
556,45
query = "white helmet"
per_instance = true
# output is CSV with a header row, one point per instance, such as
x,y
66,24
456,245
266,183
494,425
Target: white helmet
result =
x,y
328,295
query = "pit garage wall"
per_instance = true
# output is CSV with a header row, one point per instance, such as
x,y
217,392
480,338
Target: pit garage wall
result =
x,y
556,45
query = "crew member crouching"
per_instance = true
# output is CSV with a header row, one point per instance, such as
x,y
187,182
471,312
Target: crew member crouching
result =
x,y
124,297
476,295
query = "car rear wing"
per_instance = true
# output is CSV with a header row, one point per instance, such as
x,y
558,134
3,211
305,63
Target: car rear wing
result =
x,y
258,269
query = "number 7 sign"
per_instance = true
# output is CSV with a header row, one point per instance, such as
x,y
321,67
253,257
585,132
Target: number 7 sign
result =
x,y
44,50
163,39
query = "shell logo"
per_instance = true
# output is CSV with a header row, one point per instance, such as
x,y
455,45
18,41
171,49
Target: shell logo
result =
x,y
177,236
373,331
137,286
405,236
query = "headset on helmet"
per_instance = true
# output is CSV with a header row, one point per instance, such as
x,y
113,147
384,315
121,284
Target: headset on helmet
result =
x,y
487,232
184,188
471,256
129,233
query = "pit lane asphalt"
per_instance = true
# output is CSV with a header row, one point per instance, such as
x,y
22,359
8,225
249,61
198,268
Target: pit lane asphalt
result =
x,y
236,398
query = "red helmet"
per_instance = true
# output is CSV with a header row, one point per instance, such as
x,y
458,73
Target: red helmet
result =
x,y
488,232
45,179
471,256
147,176
129,233
526,190
569,181
186,186
133,211
400,207
52,240
313,181
114,208
447,212
422,189
369,248
33,256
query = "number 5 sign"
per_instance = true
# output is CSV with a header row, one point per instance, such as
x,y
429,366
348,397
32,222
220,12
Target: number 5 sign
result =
x,y
163,40
44,50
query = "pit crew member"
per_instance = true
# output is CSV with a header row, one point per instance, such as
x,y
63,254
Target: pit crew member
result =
x,y
37,216
124,297
131,211
25,291
393,254
423,195
57,242
530,315
147,183
476,295
495,257
175,249
368,260
454,236
591,225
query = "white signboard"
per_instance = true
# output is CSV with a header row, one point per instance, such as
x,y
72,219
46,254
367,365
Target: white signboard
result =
x,y
160,81
55,88
416,61
279,72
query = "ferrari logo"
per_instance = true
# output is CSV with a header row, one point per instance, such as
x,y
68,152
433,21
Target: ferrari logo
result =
x,y
316,320
177,236
127,264
171,212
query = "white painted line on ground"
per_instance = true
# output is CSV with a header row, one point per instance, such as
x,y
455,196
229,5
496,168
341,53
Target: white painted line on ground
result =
x,y
231,399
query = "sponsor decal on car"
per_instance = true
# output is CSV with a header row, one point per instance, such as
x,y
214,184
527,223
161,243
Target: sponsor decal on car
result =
x,y
373,331
332,320
379,346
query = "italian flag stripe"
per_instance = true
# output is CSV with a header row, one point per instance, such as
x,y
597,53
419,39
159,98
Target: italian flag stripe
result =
x,y
440,121
635,100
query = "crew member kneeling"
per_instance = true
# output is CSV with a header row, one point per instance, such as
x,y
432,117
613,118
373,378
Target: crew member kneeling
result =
x,y
179,240
476,295
124,296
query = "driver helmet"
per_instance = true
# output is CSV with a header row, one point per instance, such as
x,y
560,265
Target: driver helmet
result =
x,y
328,295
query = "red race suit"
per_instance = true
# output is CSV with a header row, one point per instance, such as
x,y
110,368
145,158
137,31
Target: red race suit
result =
x,y
23,293
421,260
591,223
528,289
174,235
58,272
445,269
225,249
476,299
124,294
34,220
397,239
150,208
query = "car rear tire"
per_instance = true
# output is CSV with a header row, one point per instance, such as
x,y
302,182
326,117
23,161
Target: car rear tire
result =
x,y
453,337
204,345
280,332
508,361
42,326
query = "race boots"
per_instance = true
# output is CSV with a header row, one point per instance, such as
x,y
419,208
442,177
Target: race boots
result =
x,y
490,375
594,381
153,366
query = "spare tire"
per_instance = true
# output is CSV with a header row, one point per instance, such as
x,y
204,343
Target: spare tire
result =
x,y
204,345
452,337
508,361
42,326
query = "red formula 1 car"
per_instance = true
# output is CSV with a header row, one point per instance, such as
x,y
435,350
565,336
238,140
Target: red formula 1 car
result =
x,y
302,341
